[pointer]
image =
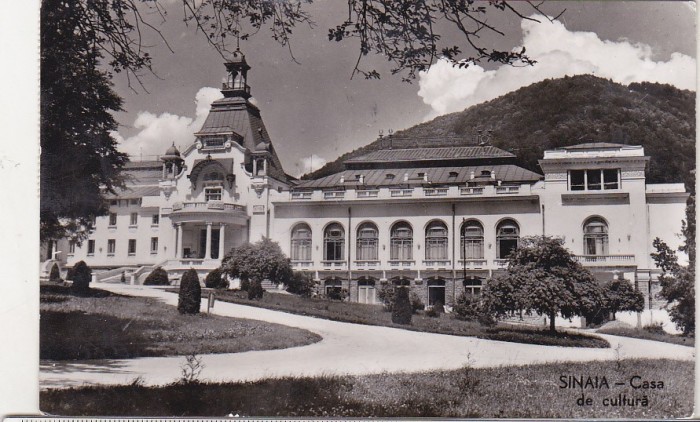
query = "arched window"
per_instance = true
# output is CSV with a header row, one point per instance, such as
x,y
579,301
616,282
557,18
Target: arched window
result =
x,y
301,243
595,236
507,235
472,246
436,241
401,242
334,243
367,242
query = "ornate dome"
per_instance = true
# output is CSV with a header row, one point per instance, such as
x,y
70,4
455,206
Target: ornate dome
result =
x,y
171,154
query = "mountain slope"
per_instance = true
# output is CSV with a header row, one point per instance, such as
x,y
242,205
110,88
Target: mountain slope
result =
x,y
568,111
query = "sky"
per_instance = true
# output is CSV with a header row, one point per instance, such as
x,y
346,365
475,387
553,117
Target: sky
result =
x,y
314,111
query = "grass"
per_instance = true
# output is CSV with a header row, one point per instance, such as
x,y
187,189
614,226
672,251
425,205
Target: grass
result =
x,y
359,313
650,333
531,391
104,325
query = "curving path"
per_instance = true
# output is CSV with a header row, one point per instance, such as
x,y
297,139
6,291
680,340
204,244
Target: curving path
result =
x,y
345,349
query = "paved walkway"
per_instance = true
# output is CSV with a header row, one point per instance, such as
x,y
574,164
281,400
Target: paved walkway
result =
x,y
345,349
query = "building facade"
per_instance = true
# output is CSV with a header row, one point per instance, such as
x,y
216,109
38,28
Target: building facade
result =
x,y
440,219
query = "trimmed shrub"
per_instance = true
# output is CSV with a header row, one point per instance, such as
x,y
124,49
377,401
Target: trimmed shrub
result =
x,y
435,311
416,303
255,290
387,295
337,293
190,295
55,274
401,312
470,308
82,275
123,277
302,284
157,277
216,280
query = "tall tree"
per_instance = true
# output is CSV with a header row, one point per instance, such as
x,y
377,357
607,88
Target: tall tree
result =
x,y
543,277
79,158
677,286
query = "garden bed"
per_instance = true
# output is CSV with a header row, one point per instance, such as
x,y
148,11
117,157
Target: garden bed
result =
x,y
104,325
376,315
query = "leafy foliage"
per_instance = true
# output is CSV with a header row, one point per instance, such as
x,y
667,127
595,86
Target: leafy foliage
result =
x,y
216,280
190,295
302,284
621,296
401,310
677,287
544,278
416,302
561,112
157,277
469,307
77,105
82,276
55,273
257,262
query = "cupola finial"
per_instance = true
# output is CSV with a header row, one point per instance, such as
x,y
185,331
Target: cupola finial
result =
x,y
236,84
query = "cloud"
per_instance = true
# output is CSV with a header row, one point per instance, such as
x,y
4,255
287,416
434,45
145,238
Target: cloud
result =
x,y
559,52
157,132
309,164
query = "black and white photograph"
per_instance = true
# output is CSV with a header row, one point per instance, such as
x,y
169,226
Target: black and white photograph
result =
x,y
363,209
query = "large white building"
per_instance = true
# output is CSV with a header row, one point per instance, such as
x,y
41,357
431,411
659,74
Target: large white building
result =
x,y
441,219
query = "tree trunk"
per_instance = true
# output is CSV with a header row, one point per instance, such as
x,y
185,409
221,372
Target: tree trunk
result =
x,y
551,322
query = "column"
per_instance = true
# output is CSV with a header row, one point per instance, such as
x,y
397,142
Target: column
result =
x,y
178,242
222,230
207,253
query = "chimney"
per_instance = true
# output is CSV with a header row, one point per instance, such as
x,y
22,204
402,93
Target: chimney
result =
x,y
471,174
405,177
342,179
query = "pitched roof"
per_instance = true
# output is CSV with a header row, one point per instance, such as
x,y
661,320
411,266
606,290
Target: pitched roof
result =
x,y
134,192
508,173
432,154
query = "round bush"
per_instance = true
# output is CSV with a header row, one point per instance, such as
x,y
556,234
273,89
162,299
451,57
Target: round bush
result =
x,y
190,295
157,277
401,311
82,275
416,303
216,280
245,284
55,274
301,284
255,290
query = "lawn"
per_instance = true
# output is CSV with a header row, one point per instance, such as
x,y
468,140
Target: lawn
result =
x,y
376,315
532,391
104,325
650,334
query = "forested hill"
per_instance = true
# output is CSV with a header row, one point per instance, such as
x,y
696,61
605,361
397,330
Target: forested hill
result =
x,y
568,111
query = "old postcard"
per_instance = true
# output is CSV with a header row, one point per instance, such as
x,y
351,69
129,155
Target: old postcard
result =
x,y
367,209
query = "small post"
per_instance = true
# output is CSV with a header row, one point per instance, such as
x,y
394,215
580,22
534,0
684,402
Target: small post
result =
x,y
210,302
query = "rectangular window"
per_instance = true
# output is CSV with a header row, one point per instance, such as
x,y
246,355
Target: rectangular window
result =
x,y
91,247
112,218
132,247
111,247
134,219
594,181
71,247
114,202
134,201
610,179
155,220
578,181
154,245
212,194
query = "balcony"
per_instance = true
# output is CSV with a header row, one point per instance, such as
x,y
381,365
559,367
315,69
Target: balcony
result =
x,y
472,264
400,263
211,211
333,265
471,191
401,193
367,264
334,195
368,193
437,263
435,191
302,264
500,263
301,195
605,260
507,190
